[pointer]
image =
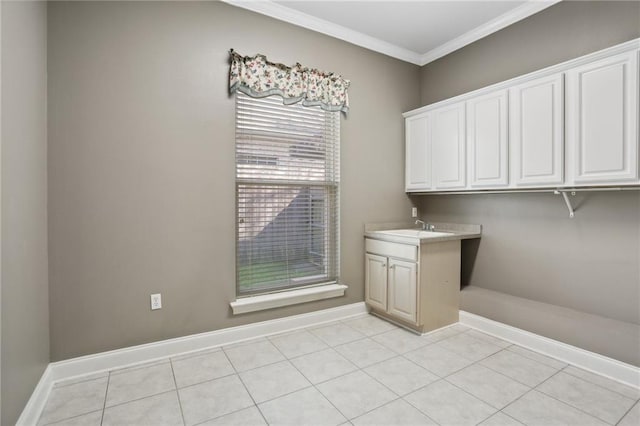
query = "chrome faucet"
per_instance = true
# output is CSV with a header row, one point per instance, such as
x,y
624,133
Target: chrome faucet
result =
x,y
425,226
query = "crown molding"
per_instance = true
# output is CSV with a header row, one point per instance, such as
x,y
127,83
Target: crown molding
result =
x,y
283,13
292,16
486,29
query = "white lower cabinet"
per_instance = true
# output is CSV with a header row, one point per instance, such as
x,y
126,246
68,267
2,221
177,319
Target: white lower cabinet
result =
x,y
416,286
376,278
403,289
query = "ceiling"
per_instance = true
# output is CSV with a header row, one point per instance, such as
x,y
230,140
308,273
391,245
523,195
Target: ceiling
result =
x,y
416,31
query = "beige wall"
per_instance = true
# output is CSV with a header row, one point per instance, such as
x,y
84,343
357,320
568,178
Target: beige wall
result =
x,y
141,164
25,313
530,248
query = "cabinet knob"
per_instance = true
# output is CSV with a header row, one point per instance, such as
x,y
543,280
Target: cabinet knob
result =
x,y
392,266
384,265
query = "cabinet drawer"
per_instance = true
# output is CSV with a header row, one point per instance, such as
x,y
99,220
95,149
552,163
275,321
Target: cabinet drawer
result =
x,y
385,248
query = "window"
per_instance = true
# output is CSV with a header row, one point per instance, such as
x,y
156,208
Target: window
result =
x,y
287,192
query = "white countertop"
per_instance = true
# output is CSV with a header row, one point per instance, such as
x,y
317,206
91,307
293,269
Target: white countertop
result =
x,y
442,232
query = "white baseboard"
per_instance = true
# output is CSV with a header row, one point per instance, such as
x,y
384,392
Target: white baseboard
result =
x,y
78,367
126,357
35,405
590,361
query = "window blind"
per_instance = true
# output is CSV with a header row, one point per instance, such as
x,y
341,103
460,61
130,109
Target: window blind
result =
x,y
287,192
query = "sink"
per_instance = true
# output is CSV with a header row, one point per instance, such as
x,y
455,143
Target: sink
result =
x,y
416,233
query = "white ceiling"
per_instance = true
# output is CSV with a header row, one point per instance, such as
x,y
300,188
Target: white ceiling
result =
x,y
416,31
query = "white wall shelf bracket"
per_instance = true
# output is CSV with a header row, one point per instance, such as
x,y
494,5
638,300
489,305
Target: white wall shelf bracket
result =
x,y
567,202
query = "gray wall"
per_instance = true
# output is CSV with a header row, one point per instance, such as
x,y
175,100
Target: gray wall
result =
x,y
561,32
141,164
25,312
530,248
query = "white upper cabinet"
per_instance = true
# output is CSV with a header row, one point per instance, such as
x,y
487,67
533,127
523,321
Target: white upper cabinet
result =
x,y
487,141
536,132
574,124
418,153
602,121
448,140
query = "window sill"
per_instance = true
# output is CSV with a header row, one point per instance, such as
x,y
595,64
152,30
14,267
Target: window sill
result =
x,y
286,298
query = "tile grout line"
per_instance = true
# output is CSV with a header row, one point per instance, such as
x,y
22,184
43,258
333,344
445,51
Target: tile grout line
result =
x,y
597,384
438,375
507,376
508,415
564,364
512,378
104,404
318,390
443,378
359,339
140,366
568,403
400,397
362,369
627,412
311,330
358,368
312,385
137,399
141,397
563,402
418,408
403,357
62,384
535,389
482,400
246,389
223,415
204,381
57,422
513,402
175,383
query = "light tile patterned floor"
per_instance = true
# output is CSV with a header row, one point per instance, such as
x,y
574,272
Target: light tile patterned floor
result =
x,y
361,371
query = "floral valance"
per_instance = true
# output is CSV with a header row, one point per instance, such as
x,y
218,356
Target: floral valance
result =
x,y
257,77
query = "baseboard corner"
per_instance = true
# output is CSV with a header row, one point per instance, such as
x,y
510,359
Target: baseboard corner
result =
x,y
599,364
32,411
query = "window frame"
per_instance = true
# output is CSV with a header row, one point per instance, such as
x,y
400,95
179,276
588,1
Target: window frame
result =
x,y
331,210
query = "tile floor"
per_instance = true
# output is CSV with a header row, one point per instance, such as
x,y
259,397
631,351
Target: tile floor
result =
x,y
361,371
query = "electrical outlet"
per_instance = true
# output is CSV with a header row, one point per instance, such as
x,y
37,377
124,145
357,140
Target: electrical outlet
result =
x,y
156,301
414,212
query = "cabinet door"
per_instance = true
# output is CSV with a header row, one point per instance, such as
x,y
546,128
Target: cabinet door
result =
x,y
403,290
602,120
448,139
536,121
417,153
376,281
487,140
